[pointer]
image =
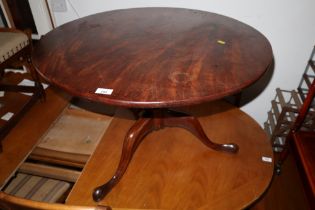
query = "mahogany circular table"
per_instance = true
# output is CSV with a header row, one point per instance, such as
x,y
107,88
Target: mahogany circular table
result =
x,y
153,59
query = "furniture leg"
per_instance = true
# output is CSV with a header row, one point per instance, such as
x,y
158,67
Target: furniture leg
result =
x,y
35,76
154,120
133,138
191,123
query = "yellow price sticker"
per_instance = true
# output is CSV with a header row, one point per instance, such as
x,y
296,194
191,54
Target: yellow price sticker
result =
x,y
221,42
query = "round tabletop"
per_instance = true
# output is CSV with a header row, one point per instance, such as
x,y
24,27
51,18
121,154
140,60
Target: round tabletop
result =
x,y
153,57
173,170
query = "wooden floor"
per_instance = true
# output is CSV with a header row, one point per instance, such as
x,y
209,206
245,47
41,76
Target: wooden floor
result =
x,y
285,192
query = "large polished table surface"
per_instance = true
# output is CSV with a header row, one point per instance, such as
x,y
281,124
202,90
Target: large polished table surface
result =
x,y
163,58
172,170
153,57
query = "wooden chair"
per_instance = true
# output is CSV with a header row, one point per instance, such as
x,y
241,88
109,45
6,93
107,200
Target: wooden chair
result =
x,y
9,202
15,51
302,143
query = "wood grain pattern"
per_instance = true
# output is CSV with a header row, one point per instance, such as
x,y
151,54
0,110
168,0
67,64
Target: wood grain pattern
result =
x,y
172,170
286,191
153,57
153,120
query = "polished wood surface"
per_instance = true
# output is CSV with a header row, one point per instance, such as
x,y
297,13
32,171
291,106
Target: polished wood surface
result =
x,y
303,146
153,120
153,57
172,170
284,193
286,190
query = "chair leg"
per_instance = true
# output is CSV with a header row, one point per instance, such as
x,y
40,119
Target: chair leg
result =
x,y
30,66
38,93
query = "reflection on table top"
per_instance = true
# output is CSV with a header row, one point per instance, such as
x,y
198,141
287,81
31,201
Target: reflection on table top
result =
x,y
172,170
153,57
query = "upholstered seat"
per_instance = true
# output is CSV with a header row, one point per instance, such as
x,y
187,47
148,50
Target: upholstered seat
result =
x,y
11,43
15,51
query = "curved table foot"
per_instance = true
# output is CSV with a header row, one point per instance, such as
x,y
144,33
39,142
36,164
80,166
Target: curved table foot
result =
x,y
192,124
133,138
153,120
